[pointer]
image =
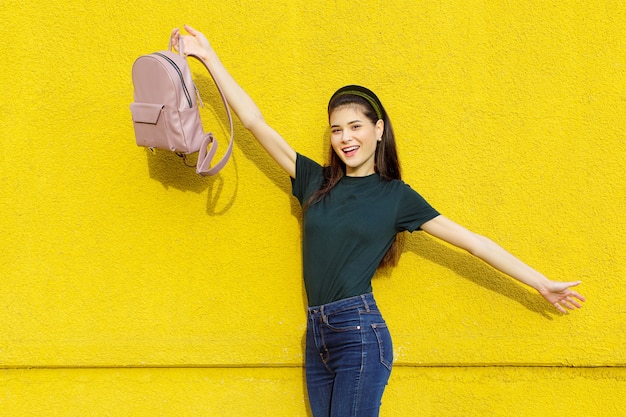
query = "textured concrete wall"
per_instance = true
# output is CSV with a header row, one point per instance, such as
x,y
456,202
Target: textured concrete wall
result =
x,y
131,286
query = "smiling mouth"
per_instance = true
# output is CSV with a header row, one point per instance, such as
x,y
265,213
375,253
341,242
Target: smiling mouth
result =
x,y
350,150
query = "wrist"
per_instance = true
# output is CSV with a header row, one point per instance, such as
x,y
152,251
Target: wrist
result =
x,y
543,286
207,54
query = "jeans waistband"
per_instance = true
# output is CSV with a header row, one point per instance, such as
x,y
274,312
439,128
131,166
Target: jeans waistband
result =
x,y
365,300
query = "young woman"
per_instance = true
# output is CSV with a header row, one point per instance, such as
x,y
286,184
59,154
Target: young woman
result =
x,y
352,211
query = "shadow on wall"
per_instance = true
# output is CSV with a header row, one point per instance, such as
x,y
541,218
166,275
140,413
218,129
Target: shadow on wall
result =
x,y
471,268
170,170
250,147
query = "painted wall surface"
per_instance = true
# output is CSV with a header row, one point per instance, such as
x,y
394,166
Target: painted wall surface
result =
x,y
132,286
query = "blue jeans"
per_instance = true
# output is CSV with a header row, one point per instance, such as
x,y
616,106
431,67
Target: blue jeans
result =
x,y
348,358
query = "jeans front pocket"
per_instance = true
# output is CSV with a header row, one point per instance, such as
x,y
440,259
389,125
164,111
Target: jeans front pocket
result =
x,y
385,346
344,320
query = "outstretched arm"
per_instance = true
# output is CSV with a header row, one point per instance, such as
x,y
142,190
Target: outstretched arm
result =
x,y
556,293
196,44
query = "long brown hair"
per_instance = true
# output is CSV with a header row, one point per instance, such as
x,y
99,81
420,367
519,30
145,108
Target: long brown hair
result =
x,y
387,164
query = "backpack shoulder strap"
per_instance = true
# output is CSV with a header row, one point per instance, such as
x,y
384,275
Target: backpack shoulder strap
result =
x,y
205,157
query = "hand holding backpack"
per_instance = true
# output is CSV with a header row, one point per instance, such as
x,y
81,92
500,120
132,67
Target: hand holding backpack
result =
x,y
165,111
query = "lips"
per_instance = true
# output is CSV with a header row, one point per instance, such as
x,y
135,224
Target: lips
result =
x,y
350,150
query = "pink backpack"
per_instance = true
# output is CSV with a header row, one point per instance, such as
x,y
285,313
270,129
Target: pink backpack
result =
x,y
166,114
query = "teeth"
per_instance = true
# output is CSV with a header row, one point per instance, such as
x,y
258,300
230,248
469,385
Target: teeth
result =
x,y
350,149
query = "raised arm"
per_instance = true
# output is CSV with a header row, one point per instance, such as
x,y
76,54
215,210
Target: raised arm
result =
x,y
556,293
196,44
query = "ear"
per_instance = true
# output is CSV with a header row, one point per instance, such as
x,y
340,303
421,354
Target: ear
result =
x,y
380,128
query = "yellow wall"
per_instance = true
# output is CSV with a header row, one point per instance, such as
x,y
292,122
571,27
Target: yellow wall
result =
x,y
133,287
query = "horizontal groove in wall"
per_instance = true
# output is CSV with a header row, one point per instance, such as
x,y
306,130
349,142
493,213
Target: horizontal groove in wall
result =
x,y
280,366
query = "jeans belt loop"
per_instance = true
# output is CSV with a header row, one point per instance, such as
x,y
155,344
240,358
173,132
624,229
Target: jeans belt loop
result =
x,y
367,307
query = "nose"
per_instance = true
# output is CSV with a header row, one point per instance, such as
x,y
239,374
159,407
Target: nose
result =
x,y
345,136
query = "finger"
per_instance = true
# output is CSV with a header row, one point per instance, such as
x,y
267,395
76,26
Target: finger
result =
x,y
570,303
191,30
574,302
560,308
577,295
174,37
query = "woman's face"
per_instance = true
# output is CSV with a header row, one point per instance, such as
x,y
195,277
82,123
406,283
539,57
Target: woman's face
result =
x,y
354,139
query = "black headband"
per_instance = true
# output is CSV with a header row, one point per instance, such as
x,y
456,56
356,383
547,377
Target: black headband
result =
x,y
357,90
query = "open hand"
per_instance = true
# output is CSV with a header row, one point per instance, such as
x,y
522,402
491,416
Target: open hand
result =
x,y
562,297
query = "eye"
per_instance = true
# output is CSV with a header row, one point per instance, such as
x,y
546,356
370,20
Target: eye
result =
x,y
355,127
335,131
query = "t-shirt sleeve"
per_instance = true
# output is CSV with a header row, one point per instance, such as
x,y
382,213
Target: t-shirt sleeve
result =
x,y
308,178
413,210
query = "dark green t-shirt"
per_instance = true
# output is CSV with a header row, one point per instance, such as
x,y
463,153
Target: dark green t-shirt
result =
x,y
345,236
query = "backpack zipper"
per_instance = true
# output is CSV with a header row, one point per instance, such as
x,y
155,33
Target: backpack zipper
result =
x,y
198,96
180,74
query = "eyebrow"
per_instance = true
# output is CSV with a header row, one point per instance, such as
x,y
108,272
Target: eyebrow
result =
x,y
350,123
